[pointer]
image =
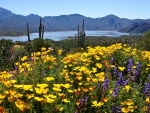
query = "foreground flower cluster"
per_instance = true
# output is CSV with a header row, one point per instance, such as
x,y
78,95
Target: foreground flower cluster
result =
x,y
113,79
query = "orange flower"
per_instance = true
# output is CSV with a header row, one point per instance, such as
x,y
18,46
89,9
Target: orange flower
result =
x,y
2,109
105,99
85,89
77,103
106,63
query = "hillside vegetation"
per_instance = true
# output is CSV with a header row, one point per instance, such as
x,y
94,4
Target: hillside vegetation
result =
x,y
107,75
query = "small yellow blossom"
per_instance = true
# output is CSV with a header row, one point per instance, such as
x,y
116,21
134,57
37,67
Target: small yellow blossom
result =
x,y
121,68
66,85
65,100
127,87
43,49
59,52
97,104
24,58
49,78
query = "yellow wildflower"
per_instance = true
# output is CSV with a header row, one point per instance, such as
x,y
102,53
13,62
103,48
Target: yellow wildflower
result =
x,y
59,52
27,87
97,104
127,87
2,96
39,99
24,58
56,89
42,86
65,100
29,96
49,100
43,49
70,91
20,105
147,100
66,85
98,65
49,78
121,68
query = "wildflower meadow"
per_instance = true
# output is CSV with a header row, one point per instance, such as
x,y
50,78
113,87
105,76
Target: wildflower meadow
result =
x,y
112,79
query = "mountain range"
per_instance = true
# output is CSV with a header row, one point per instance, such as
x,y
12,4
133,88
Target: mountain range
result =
x,y
13,22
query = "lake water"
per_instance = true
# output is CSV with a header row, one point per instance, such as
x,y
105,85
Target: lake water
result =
x,y
56,36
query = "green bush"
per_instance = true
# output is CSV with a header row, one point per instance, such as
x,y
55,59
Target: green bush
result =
x,y
144,43
5,53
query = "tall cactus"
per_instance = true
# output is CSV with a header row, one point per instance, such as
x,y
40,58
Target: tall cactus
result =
x,y
28,32
78,40
82,34
75,38
42,32
78,32
40,28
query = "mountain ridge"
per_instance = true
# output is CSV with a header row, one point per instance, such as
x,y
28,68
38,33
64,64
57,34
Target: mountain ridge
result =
x,y
137,27
14,22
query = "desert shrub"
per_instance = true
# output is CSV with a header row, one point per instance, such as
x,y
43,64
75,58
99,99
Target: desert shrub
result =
x,y
144,43
5,53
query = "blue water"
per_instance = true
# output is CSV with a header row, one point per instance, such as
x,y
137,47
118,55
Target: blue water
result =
x,y
56,36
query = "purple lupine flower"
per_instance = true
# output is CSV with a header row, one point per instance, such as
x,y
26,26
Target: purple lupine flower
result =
x,y
98,86
115,92
16,68
120,76
115,71
86,98
51,48
148,108
43,73
146,89
137,70
148,77
138,66
120,81
32,59
136,73
130,64
13,77
116,110
119,109
105,84
125,82
82,102
112,60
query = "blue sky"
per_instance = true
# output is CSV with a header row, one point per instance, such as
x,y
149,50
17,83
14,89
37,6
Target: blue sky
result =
x,y
131,9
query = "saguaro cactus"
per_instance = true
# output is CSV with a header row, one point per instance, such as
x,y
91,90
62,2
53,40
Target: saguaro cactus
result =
x,y
43,32
81,36
41,29
75,38
78,40
28,32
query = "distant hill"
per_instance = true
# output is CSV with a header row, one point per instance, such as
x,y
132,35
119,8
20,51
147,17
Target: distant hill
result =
x,y
137,28
5,14
13,22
